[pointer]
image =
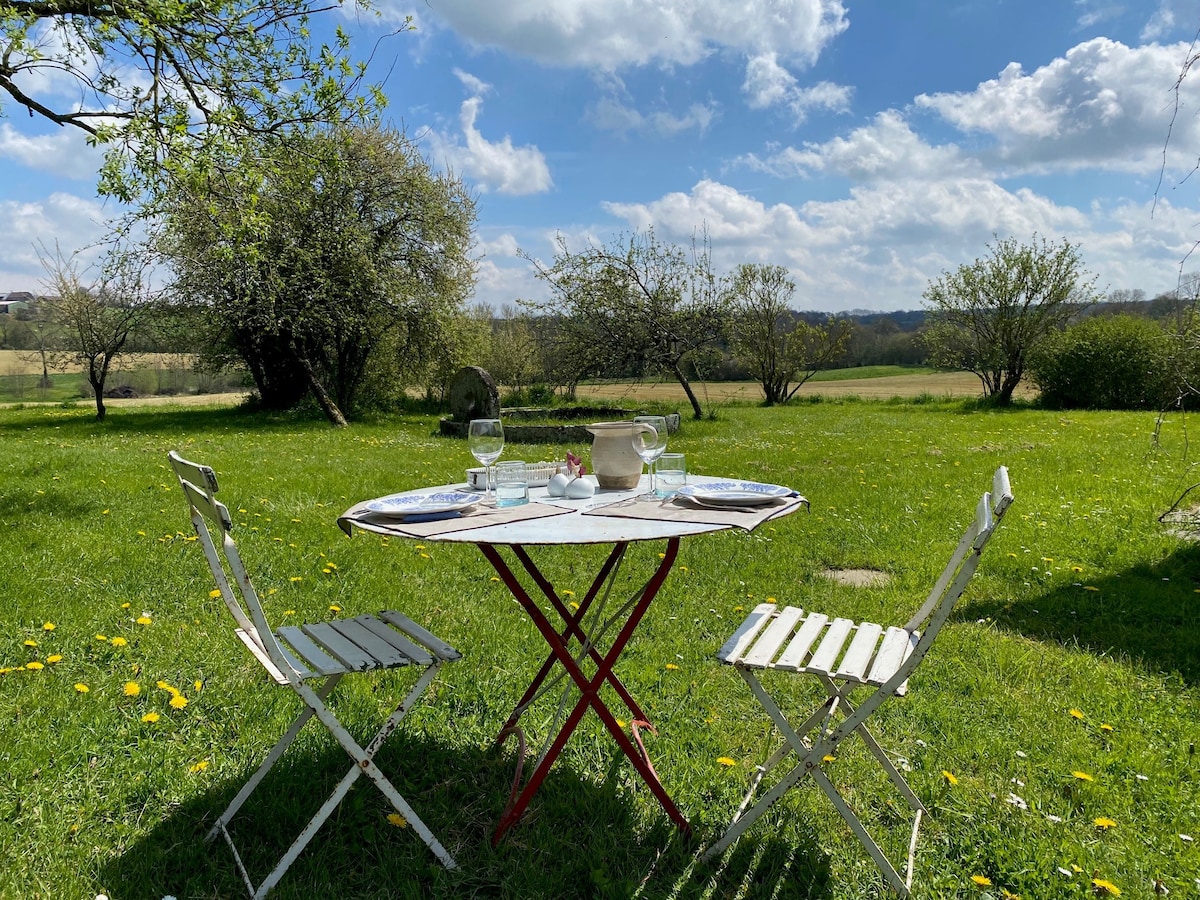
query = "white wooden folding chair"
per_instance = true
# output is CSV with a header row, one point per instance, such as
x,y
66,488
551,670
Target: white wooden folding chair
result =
x,y
844,655
295,655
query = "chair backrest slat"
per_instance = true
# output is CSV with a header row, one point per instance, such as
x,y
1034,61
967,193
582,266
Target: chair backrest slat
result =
x,y
936,610
199,484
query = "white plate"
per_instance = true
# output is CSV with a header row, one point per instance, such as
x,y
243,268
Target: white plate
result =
x,y
423,504
734,493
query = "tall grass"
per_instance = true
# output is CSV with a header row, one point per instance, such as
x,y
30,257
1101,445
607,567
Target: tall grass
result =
x,y
1062,696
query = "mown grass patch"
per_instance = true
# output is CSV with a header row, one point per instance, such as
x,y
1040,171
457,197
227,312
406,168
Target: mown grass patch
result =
x,y
1075,653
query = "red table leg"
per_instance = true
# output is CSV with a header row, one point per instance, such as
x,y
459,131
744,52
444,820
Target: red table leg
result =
x,y
589,687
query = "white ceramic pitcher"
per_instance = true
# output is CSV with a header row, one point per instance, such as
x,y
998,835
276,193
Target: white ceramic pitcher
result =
x,y
615,463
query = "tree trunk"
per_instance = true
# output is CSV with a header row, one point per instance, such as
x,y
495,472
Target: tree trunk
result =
x,y
326,402
687,389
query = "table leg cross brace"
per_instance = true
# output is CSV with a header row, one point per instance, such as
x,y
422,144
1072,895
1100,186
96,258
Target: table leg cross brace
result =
x,y
589,687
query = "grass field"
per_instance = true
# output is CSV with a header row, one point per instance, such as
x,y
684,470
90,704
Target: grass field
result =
x,y
1051,732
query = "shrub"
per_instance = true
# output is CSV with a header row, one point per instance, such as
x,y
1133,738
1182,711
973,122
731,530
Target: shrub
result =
x,y
1110,362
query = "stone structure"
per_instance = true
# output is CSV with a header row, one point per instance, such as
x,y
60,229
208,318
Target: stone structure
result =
x,y
473,395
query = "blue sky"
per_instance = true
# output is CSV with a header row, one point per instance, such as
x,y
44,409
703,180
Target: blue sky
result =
x,y
867,146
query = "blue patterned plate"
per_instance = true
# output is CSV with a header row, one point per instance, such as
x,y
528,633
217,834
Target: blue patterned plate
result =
x,y
735,493
423,504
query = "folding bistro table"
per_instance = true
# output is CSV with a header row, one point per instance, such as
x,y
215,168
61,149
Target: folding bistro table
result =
x,y
617,518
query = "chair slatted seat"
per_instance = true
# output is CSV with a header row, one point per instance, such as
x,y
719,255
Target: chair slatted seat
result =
x,y
295,655
844,655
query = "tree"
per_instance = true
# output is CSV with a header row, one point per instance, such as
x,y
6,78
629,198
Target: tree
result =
x,y
513,355
94,321
173,87
989,314
333,276
633,307
1107,362
782,349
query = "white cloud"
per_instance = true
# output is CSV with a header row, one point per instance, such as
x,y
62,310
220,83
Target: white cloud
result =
x,y
879,247
885,150
64,152
611,34
73,223
493,165
768,84
1102,105
611,114
1164,19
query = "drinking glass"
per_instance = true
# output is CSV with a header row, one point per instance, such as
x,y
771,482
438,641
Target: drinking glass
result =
x,y
512,483
485,439
649,445
671,474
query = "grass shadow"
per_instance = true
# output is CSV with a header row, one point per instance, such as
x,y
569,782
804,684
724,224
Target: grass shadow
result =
x,y
579,838
1148,614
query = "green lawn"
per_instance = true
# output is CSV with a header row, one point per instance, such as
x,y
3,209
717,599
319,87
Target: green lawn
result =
x,y
1064,691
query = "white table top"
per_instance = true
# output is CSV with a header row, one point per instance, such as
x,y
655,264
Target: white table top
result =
x,y
578,528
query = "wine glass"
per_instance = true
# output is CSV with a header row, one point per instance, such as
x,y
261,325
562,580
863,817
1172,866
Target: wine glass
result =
x,y
650,444
485,438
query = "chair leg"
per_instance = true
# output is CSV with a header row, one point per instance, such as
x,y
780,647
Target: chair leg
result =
x,y
364,764
811,756
273,757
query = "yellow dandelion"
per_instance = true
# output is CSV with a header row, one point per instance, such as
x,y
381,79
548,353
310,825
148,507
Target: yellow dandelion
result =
x,y
33,666
494,578
333,607
1083,776
982,880
54,657
726,761
1075,713
81,687
739,608
150,717
48,626
178,701
1048,559
683,568
214,593
124,606
426,556
573,605
568,593
199,767
30,642
950,778
398,820
671,667
163,686
289,612
132,689
662,556
295,578
328,571
1076,569
1104,726
828,757
198,684
1006,894
1104,887
1104,823
118,642
143,620
1012,556
331,565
